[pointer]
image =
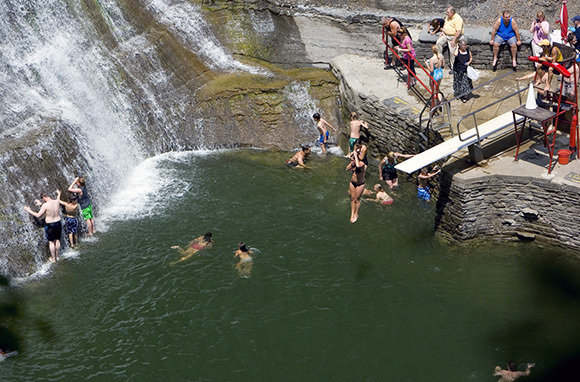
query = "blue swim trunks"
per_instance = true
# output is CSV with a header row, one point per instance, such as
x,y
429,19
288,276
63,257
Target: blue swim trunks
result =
x,y
71,225
321,139
423,193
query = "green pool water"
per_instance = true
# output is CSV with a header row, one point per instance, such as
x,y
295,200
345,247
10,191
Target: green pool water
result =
x,y
326,300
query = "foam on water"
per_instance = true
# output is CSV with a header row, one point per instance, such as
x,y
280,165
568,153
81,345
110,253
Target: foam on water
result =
x,y
149,188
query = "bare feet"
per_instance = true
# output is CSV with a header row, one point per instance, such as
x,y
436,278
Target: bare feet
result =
x,y
353,219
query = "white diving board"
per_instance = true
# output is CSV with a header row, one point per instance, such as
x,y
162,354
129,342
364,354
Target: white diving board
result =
x,y
453,145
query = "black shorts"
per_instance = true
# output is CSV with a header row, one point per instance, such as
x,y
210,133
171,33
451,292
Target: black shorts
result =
x,y
53,231
390,174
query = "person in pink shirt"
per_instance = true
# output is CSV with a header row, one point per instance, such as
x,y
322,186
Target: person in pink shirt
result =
x,y
541,30
408,51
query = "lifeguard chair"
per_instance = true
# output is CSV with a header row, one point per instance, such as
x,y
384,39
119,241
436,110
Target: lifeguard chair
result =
x,y
545,114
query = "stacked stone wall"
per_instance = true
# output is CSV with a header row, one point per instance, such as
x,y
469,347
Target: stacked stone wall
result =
x,y
394,124
508,208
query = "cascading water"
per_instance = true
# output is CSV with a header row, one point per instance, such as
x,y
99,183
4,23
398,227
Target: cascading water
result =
x,y
90,88
64,82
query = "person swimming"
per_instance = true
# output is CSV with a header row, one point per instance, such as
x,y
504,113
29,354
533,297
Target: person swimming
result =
x,y
381,195
298,159
244,266
196,245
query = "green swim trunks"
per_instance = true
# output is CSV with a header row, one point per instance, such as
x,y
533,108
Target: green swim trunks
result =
x,y
87,212
351,143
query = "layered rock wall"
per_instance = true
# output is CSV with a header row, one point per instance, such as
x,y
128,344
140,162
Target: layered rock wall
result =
x,y
508,208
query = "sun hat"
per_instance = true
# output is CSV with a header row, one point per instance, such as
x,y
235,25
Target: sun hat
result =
x,y
544,42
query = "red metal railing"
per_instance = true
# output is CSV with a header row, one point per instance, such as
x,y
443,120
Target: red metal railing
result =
x,y
431,89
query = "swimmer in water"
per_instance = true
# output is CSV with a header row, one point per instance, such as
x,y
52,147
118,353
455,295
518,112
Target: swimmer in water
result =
x,y
381,195
511,374
244,266
423,192
298,159
196,245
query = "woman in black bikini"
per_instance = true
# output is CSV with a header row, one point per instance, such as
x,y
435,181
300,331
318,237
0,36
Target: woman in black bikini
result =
x,y
358,167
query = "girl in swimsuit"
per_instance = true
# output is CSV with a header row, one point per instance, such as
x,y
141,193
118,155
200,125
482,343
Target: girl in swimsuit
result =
x,y
358,167
435,65
194,246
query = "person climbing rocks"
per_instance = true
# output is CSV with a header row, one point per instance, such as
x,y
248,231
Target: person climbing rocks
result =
x,y
78,186
53,228
71,222
321,125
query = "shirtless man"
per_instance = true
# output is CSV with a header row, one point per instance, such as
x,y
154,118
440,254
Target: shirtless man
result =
x,y
298,159
71,222
194,246
321,126
355,126
423,188
511,374
51,211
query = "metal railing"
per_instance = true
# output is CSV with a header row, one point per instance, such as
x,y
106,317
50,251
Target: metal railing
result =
x,y
472,114
407,64
445,107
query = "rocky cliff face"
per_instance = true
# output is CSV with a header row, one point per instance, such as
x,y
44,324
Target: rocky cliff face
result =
x,y
95,87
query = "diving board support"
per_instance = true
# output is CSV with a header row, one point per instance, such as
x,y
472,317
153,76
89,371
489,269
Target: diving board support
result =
x,y
459,142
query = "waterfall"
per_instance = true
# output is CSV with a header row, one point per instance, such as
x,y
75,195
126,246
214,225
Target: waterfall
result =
x,y
95,88
82,88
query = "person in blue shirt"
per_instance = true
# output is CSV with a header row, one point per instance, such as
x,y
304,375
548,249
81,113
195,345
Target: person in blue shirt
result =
x,y
505,30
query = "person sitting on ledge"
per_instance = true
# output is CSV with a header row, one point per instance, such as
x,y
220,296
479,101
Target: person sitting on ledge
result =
x,y
505,30
550,54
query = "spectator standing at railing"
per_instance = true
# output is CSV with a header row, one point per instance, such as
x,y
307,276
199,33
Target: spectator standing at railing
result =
x,y
409,55
392,27
505,30
452,33
541,31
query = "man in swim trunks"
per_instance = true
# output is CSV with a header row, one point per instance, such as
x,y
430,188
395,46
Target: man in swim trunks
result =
x,y
194,246
71,223
423,191
53,229
354,127
78,187
321,126
298,159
